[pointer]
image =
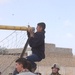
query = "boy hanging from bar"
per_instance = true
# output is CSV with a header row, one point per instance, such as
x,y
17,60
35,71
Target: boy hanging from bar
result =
x,y
37,44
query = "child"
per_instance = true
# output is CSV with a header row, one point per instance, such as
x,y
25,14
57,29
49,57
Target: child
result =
x,y
37,44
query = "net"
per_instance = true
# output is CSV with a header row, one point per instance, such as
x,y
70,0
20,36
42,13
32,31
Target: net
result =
x,y
11,47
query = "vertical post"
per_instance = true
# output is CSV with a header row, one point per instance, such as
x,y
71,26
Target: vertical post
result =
x,y
24,49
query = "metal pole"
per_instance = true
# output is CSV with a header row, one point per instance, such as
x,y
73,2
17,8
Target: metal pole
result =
x,y
24,49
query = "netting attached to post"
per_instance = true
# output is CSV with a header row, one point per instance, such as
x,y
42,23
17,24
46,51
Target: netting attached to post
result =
x,y
14,40
10,49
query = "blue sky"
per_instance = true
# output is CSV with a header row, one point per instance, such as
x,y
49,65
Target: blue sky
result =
x,y
59,16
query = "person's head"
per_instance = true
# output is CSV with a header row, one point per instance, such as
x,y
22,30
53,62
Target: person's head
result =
x,y
21,64
55,68
41,27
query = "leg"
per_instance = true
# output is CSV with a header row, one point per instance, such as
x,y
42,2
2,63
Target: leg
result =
x,y
33,58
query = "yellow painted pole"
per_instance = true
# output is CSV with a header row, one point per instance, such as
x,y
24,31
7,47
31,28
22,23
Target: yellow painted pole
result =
x,y
6,27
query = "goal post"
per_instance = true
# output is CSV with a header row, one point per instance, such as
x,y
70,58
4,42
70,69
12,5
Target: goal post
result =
x,y
12,46
21,28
